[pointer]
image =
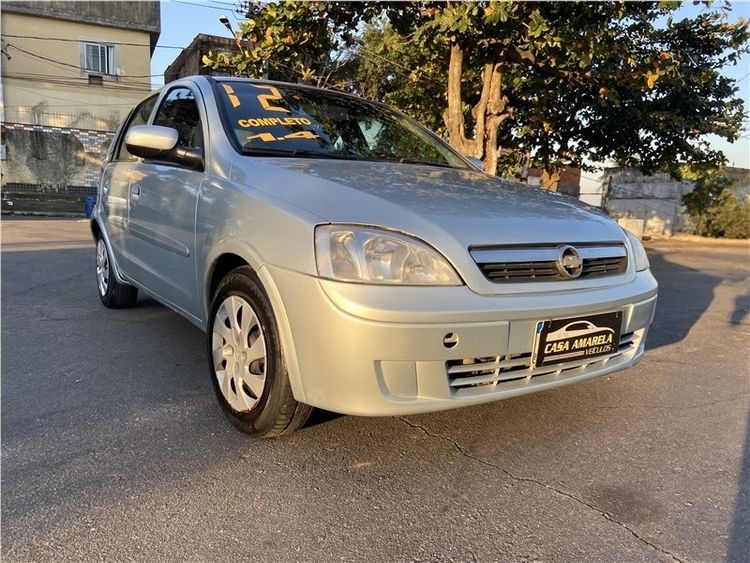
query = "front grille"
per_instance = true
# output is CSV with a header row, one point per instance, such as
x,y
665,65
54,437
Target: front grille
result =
x,y
488,373
540,263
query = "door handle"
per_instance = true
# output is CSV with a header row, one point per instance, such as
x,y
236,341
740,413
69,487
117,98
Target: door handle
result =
x,y
135,194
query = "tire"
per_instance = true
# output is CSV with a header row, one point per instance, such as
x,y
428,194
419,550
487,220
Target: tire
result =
x,y
113,294
246,361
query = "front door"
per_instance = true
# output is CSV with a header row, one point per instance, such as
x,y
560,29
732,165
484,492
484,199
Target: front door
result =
x,y
116,187
163,199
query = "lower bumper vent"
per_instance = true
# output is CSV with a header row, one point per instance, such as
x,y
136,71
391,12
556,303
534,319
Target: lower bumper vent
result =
x,y
493,371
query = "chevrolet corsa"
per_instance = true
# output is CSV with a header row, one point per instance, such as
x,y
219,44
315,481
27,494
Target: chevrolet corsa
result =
x,y
339,255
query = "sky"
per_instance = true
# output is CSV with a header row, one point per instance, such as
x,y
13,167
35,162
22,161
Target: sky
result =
x,y
181,20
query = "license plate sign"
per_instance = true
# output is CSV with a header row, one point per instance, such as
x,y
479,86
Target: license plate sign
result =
x,y
579,338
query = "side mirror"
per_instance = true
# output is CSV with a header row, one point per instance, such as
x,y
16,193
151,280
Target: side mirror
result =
x,y
160,143
151,141
476,162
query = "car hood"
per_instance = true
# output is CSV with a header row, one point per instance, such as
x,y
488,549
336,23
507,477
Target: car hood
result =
x,y
431,202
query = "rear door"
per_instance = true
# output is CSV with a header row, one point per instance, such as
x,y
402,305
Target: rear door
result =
x,y
163,199
116,186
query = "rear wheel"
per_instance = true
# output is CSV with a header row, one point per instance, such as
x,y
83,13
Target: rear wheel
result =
x,y
246,360
113,294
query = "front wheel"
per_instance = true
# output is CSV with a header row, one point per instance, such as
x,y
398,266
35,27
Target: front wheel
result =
x,y
112,293
246,361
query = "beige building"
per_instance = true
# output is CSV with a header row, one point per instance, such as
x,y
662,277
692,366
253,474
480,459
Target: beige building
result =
x,y
71,71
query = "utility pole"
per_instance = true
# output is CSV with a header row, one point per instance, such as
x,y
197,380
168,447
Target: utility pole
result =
x,y
606,192
3,51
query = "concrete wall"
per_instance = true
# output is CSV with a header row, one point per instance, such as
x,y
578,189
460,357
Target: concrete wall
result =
x,y
50,169
657,199
52,157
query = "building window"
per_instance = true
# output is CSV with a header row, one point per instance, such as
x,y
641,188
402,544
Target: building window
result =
x,y
98,58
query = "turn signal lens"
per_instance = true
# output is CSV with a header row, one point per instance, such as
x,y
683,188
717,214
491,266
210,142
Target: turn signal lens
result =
x,y
640,258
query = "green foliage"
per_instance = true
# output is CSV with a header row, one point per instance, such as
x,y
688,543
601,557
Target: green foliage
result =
x,y
728,217
578,81
709,185
390,68
713,208
294,40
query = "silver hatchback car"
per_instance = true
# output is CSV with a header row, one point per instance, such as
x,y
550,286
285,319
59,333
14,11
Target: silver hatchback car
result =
x,y
339,255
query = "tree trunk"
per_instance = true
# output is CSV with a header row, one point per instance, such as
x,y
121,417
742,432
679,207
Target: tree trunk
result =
x,y
495,115
479,113
550,179
488,114
454,116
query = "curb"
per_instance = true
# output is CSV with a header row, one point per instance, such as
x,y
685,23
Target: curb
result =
x,y
698,241
63,214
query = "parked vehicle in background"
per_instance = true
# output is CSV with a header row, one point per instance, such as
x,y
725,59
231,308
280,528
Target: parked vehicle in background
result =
x,y
339,255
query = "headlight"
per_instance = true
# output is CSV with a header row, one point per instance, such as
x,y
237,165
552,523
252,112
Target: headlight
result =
x,y
639,253
373,255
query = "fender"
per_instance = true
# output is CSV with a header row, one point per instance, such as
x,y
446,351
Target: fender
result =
x,y
227,245
97,224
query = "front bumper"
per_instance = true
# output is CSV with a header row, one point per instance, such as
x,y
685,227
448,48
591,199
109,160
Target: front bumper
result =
x,y
374,350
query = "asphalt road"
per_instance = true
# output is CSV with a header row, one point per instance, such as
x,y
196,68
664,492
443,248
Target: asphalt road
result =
x,y
114,448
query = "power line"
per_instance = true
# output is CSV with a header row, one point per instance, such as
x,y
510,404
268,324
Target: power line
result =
x,y
120,88
119,80
374,54
68,40
69,65
200,5
120,84
127,104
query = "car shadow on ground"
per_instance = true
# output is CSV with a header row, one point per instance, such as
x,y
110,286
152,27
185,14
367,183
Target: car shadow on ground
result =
x,y
741,309
684,295
739,536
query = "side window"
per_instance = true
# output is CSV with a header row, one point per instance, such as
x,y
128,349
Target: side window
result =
x,y
140,117
180,111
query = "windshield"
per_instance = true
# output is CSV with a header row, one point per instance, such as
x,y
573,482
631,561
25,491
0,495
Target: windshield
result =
x,y
285,120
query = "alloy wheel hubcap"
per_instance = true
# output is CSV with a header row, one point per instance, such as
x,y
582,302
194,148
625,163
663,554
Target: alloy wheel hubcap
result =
x,y
238,347
102,267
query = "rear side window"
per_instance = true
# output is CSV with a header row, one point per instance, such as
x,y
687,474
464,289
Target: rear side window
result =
x,y
139,117
179,111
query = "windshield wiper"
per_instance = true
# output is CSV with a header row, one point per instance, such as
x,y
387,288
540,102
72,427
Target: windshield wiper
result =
x,y
427,162
292,153
381,157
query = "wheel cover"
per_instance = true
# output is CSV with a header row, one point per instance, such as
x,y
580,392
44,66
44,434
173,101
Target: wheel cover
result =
x,y
102,267
238,347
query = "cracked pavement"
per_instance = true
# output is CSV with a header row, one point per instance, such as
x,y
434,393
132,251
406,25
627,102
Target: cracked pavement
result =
x,y
113,447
